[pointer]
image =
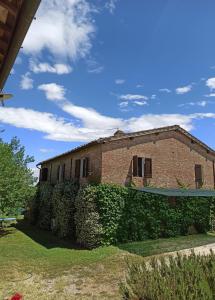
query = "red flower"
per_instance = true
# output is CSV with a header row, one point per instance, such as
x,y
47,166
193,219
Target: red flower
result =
x,y
17,297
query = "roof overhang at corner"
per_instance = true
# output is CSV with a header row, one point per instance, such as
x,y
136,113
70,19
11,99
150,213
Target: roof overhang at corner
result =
x,y
24,15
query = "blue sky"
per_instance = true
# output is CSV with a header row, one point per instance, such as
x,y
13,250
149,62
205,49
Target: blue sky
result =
x,y
90,67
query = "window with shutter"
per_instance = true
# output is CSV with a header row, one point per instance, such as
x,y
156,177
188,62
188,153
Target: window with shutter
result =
x,y
63,172
71,169
58,173
44,174
135,166
140,166
198,176
148,168
85,167
77,168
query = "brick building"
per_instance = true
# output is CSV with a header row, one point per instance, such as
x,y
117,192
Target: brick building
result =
x,y
163,157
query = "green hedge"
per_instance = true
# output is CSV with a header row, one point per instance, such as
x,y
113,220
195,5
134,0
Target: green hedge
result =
x,y
107,214
63,207
123,215
179,278
44,206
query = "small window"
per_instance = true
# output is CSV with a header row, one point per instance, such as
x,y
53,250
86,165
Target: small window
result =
x,y
142,167
58,173
77,168
85,171
198,176
71,169
63,172
44,174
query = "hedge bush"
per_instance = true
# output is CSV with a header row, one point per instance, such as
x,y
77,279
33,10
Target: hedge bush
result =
x,y
45,210
63,204
120,214
178,278
88,228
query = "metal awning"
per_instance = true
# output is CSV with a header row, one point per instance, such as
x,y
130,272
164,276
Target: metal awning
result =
x,y
178,192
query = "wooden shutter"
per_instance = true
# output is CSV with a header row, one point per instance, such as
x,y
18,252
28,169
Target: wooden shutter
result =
x,y
198,173
86,167
148,168
77,168
135,166
71,169
58,173
44,174
63,172
87,160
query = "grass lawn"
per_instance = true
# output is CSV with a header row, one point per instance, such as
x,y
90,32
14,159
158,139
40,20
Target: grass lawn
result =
x,y
159,246
39,266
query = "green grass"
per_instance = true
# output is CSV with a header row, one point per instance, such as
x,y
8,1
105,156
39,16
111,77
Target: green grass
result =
x,y
33,261
159,246
29,247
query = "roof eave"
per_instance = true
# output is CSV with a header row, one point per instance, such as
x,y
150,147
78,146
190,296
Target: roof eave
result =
x,y
26,16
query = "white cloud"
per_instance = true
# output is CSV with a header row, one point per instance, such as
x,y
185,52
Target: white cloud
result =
x,y
210,95
45,67
140,85
165,90
202,103
12,72
153,96
64,28
26,81
140,103
132,97
184,89
211,83
94,125
123,104
45,150
120,81
94,67
53,91
111,5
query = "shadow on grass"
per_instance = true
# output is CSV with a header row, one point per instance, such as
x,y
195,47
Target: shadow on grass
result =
x,y
45,238
4,232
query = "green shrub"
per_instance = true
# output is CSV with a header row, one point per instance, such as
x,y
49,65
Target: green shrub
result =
x,y
88,227
127,215
33,208
179,278
63,203
45,210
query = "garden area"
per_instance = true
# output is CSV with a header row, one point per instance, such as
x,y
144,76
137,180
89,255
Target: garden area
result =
x,y
39,265
99,241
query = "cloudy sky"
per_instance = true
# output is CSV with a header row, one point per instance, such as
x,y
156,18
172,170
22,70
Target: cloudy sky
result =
x,y
88,68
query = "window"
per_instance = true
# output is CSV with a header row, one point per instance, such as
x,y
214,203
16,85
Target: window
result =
x,y
142,167
58,173
71,169
63,172
44,174
198,176
85,171
77,168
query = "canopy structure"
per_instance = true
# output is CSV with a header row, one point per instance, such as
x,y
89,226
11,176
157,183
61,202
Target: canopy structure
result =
x,y
177,192
15,19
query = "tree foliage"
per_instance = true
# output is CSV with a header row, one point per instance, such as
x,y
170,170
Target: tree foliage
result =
x,y
16,179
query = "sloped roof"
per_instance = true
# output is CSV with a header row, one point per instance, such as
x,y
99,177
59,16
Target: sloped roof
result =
x,y
121,136
15,19
177,192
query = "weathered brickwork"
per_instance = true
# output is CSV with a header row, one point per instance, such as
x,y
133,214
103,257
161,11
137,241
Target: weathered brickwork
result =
x,y
173,159
94,154
173,155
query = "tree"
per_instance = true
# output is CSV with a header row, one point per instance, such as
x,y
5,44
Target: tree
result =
x,y
16,179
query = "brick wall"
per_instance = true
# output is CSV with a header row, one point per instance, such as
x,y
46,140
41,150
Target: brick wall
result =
x,y
94,154
173,157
